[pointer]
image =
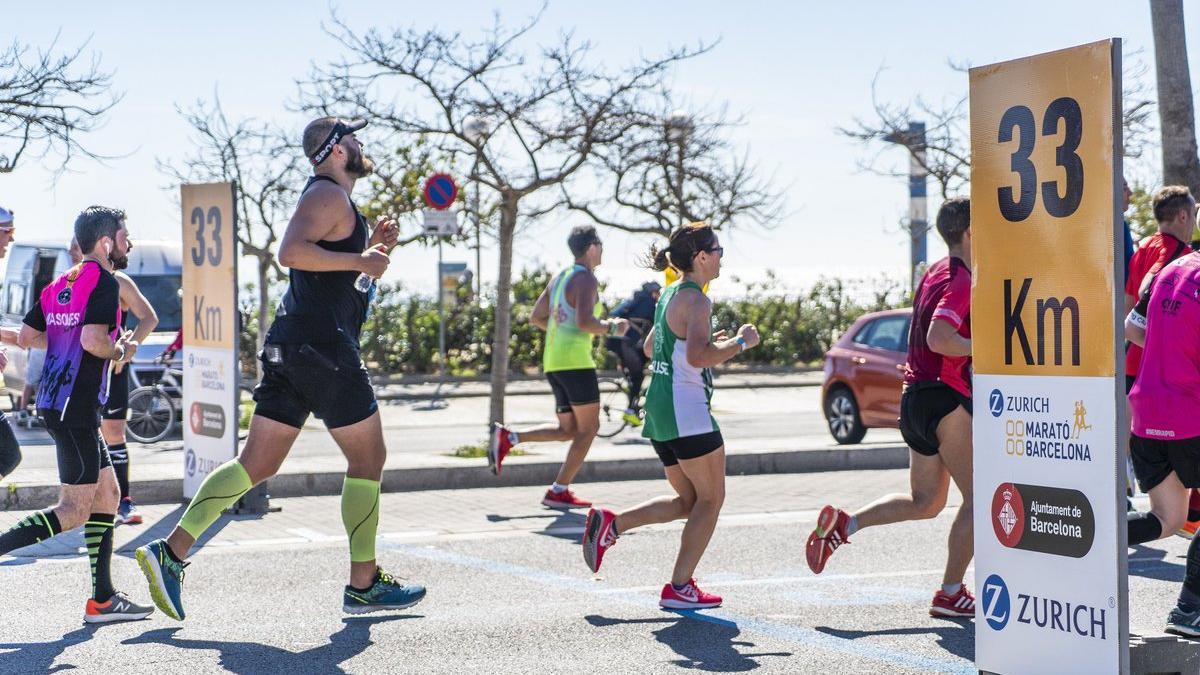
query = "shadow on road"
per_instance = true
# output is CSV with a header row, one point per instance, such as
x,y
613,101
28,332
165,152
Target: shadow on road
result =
x,y
39,657
703,645
956,636
566,525
1152,563
252,657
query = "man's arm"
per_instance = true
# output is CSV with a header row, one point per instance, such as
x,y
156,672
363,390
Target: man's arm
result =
x,y
95,339
944,339
587,294
318,214
948,317
541,311
31,338
131,297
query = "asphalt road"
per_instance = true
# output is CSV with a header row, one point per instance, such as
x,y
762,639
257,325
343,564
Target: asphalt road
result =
x,y
509,592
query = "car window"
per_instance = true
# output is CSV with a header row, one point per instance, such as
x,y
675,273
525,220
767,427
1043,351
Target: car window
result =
x,y
890,333
863,336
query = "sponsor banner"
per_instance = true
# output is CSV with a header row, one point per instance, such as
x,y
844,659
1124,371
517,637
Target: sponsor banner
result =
x,y
1049,531
210,330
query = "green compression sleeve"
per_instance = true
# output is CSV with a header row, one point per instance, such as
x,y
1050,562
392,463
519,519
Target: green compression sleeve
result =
x,y
360,515
224,486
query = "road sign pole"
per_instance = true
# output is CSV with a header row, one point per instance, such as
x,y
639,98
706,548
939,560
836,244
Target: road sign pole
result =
x,y
441,312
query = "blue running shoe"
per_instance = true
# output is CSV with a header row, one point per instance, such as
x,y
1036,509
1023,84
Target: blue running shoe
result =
x,y
1184,620
384,594
164,575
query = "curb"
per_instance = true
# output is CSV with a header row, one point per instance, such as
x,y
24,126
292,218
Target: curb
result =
x,y
30,497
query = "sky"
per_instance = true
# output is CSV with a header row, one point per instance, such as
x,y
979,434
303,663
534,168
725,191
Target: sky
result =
x,y
795,71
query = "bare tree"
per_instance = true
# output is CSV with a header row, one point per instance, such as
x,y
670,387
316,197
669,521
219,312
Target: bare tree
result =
x,y
49,100
268,170
672,167
1177,117
550,115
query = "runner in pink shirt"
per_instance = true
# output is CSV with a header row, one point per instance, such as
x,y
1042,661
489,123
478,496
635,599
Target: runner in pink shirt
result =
x,y
1165,441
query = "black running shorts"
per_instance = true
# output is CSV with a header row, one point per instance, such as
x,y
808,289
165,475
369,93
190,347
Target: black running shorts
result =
x,y
1154,459
922,408
82,454
328,380
573,387
687,447
117,407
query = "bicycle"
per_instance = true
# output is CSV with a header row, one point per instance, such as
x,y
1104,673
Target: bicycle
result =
x,y
614,399
153,408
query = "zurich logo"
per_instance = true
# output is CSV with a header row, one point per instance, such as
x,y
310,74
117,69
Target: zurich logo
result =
x,y
996,605
996,402
190,462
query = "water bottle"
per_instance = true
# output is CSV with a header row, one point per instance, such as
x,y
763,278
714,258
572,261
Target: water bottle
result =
x,y
363,283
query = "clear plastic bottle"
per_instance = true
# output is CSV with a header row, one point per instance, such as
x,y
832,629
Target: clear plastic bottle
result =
x,y
363,283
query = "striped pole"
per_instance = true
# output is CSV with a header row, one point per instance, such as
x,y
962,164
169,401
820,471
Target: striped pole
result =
x,y
918,212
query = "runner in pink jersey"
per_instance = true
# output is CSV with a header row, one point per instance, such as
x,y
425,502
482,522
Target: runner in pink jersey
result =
x,y
1165,441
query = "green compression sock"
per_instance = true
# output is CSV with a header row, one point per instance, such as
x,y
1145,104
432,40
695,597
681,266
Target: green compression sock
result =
x,y
360,515
224,486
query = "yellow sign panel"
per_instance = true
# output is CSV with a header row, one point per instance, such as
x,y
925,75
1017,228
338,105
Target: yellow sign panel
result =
x,y
209,266
1042,186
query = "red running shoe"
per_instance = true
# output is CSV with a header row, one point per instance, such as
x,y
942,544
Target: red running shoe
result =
x,y
961,604
499,447
599,535
564,500
829,534
691,597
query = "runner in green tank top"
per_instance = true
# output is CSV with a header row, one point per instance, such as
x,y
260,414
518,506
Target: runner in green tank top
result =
x,y
679,422
569,366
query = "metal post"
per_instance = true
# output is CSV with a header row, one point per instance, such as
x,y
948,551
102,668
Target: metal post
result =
x,y
441,312
918,210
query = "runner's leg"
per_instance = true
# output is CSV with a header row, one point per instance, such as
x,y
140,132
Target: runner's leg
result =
x,y
565,430
661,509
10,449
1168,511
707,476
266,447
955,451
98,534
362,444
113,432
928,480
587,425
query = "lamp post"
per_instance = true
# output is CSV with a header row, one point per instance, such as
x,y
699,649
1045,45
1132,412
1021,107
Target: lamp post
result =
x,y
475,128
679,129
918,213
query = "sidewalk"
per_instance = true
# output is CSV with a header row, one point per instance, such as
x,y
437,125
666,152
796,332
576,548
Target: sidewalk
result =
x,y
769,428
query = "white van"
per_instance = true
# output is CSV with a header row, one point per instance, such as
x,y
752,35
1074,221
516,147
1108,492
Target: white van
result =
x,y
156,267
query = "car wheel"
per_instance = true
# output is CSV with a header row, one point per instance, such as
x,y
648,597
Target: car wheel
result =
x,y
841,412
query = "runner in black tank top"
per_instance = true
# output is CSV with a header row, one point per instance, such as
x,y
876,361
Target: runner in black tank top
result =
x,y
310,366
317,301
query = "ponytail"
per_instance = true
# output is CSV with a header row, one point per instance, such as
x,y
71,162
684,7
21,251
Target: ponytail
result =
x,y
684,243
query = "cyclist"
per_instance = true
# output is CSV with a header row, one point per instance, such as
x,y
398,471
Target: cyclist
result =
x,y
639,311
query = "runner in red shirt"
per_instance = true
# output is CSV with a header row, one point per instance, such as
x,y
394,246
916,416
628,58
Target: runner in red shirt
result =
x,y
935,419
1174,209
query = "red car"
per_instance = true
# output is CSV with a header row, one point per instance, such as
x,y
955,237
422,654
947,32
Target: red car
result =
x,y
863,375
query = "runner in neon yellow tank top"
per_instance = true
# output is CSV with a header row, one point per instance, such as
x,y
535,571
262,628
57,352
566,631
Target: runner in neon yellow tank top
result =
x,y
678,418
569,366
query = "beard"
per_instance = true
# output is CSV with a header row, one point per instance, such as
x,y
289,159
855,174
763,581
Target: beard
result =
x,y
358,164
119,263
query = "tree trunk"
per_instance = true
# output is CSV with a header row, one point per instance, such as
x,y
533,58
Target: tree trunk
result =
x,y
1176,114
503,308
264,309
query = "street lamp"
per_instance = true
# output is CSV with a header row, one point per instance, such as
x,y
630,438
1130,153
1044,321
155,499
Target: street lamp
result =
x,y
475,128
918,213
679,129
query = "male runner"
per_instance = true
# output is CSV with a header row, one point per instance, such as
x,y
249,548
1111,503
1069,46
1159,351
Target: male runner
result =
x,y
115,412
935,418
1165,400
10,450
1176,222
311,365
76,320
567,311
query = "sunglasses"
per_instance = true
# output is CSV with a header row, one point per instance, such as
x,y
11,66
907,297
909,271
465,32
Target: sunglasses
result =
x,y
719,250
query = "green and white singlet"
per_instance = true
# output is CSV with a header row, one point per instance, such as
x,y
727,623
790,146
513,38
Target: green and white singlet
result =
x,y
567,347
679,400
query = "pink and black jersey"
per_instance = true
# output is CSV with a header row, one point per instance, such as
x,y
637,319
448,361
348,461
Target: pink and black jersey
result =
x,y
944,294
74,381
1169,380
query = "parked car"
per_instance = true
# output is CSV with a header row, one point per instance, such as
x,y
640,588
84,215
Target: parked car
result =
x,y
864,372
156,267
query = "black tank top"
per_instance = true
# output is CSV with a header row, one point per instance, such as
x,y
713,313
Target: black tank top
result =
x,y
324,306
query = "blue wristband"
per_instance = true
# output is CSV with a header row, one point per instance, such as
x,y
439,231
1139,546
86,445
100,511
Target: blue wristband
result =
x,y
742,342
